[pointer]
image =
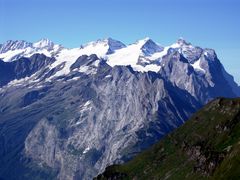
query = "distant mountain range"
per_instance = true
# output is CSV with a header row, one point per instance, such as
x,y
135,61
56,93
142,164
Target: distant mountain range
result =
x,y
69,113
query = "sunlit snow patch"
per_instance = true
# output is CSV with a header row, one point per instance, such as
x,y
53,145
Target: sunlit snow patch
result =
x,y
196,65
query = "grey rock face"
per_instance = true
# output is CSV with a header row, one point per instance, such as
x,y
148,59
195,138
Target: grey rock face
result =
x,y
22,68
95,120
84,60
114,45
203,84
191,53
150,47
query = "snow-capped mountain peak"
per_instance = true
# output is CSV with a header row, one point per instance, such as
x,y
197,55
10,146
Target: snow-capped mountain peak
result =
x,y
141,42
104,46
140,55
147,43
44,43
11,45
190,52
114,44
182,42
149,47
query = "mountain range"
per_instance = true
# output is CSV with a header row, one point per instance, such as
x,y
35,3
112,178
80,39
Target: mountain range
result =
x,y
69,113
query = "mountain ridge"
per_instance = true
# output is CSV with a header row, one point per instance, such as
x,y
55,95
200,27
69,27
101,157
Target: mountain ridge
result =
x,y
143,55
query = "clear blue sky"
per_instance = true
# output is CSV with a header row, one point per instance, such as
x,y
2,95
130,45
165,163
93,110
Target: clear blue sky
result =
x,y
207,23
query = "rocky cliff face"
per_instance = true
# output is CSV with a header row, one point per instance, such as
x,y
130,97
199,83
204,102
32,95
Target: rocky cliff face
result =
x,y
97,120
202,83
205,147
22,68
69,118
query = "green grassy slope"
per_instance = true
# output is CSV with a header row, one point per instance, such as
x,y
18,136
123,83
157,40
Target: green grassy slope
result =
x,y
205,147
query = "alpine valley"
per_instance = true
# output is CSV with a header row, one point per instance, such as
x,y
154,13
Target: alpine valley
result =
x,y
69,113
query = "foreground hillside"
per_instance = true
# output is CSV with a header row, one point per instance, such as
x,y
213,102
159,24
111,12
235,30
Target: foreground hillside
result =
x,y
205,147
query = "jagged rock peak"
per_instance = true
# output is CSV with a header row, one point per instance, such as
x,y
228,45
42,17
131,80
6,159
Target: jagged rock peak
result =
x,y
148,46
43,43
13,45
144,41
182,42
